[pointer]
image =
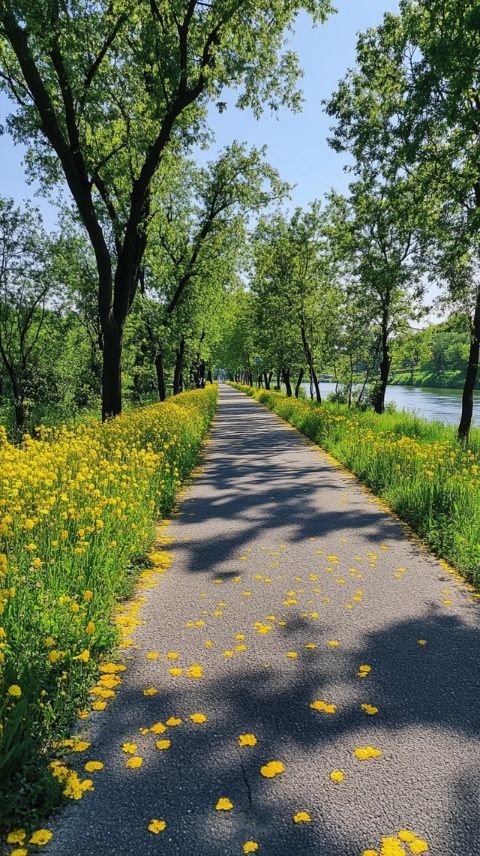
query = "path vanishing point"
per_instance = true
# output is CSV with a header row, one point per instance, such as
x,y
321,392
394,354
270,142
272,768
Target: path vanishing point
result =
x,y
287,579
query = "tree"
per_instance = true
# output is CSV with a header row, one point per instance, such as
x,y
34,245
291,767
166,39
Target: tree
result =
x,y
235,352
376,230
27,289
104,90
294,285
198,234
413,102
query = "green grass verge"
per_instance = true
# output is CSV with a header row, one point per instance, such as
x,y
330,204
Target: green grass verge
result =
x,y
416,466
78,508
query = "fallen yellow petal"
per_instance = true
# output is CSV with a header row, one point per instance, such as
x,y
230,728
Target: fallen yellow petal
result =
x,y
272,769
247,740
323,706
302,817
364,753
156,826
337,775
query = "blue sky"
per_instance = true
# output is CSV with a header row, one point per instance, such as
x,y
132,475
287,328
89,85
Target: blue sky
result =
x,y
297,143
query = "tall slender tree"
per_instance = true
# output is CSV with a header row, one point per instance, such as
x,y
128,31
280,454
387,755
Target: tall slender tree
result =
x,y
413,103
102,90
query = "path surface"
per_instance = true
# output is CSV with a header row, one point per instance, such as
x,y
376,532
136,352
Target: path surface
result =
x,y
271,532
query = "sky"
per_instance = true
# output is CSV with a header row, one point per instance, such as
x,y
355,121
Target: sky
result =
x,y
296,143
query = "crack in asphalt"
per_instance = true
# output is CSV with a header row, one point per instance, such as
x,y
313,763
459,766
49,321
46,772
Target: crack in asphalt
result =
x,y
248,786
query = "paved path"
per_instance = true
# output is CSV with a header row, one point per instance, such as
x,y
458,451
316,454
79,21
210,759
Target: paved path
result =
x,y
272,535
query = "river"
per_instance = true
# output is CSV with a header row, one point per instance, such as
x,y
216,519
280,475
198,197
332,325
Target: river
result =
x,y
444,405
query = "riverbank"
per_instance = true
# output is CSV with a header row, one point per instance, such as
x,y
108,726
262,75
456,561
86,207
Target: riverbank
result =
x,y
432,380
416,466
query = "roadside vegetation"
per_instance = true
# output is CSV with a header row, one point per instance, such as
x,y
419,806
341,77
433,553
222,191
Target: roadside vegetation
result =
x,y
77,514
417,467
166,269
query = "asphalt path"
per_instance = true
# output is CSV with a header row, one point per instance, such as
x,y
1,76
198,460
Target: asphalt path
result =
x,y
287,577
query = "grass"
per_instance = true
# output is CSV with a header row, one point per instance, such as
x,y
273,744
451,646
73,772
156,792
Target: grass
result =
x,y
417,466
77,514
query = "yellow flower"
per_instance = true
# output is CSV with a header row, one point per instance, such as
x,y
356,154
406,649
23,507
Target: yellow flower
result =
x,y
152,655
391,846
323,706
272,769
364,753
369,709
173,721
40,837
302,817
419,846
15,691
195,671
198,718
163,744
16,836
129,748
337,775
93,766
111,668
175,671
333,643
37,563
158,728
156,826
134,762
84,656
90,628
80,745
247,740
19,851
172,655
363,670
250,847
406,835
224,804
150,691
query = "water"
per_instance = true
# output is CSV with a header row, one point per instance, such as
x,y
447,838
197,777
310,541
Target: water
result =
x,y
443,405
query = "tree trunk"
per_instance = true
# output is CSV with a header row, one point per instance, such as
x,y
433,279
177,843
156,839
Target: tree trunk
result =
x,y
350,384
268,379
112,371
162,390
309,358
379,400
209,375
299,381
277,382
286,380
201,374
471,376
20,415
177,375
